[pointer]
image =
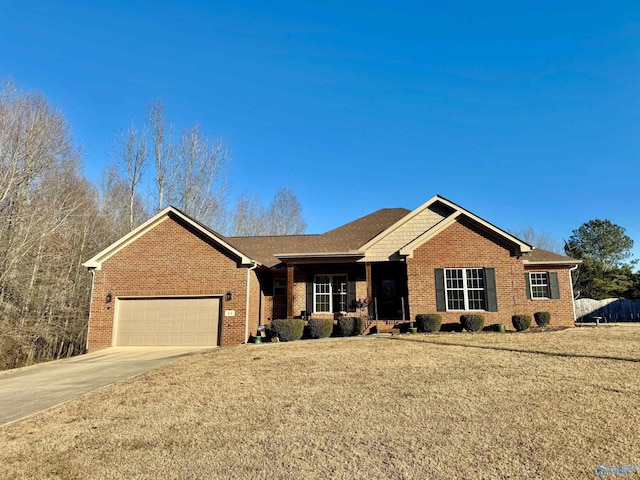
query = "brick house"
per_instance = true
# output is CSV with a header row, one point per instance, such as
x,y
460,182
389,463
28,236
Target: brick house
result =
x,y
173,281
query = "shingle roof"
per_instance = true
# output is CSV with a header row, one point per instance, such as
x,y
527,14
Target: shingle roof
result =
x,y
538,255
347,238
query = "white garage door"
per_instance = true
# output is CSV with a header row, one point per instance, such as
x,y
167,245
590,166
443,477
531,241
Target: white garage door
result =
x,y
168,322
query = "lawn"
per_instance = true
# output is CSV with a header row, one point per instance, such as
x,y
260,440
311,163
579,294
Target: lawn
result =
x,y
458,405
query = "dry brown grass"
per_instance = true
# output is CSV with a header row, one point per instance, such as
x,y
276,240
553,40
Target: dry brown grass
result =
x,y
354,408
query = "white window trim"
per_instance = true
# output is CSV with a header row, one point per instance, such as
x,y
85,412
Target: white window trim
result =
x,y
330,293
547,286
465,290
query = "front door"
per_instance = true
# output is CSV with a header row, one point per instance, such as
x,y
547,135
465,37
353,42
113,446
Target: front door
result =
x,y
390,291
339,289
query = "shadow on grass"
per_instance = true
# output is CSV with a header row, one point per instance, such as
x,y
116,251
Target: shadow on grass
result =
x,y
520,350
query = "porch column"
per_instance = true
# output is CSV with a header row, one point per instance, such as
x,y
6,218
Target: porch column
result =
x,y
290,271
367,268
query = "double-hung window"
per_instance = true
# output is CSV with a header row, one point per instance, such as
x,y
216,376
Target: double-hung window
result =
x,y
542,285
330,293
539,282
465,288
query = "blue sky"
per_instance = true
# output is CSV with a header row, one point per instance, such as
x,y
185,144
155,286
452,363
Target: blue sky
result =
x,y
525,113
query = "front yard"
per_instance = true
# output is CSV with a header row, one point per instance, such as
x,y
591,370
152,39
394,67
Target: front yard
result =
x,y
531,405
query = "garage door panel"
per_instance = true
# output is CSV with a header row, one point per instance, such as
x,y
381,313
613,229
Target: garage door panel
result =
x,y
168,321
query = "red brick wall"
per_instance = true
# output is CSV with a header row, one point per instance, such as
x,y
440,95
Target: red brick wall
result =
x,y
171,259
464,244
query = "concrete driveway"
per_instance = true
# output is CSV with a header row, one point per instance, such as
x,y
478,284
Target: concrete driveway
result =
x,y
29,390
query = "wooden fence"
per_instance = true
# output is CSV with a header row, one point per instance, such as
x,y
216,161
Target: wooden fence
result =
x,y
610,309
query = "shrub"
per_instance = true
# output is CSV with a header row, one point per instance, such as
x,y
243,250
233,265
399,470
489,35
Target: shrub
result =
x,y
542,318
320,327
521,322
288,329
428,322
472,323
350,326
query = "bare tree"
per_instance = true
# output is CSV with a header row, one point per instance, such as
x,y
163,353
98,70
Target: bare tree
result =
x,y
114,204
284,216
49,224
34,142
249,217
202,182
132,156
164,152
540,240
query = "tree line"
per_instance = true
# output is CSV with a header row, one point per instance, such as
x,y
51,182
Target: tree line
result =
x,y
191,172
52,218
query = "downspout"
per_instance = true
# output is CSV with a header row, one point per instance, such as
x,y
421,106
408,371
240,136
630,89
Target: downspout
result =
x,y
93,280
246,308
573,297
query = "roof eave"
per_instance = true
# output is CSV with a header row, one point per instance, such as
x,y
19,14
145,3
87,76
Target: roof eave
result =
x,y
572,261
287,256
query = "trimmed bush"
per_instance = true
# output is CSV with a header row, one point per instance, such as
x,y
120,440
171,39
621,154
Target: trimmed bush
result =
x,y
472,323
287,329
428,322
350,326
542,318
320,327
521,322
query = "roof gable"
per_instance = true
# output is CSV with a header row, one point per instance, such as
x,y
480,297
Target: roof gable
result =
x,y
458,211
169,212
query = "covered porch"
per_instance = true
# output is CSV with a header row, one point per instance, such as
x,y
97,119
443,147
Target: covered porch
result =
x,y
330,289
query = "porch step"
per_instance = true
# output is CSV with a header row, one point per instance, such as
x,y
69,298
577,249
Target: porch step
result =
x,y
383,326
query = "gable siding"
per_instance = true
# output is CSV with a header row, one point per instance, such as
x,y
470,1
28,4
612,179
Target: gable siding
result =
x,y
465,245
402,235
170,260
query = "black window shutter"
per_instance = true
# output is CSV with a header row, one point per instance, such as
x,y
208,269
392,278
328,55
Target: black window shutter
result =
x,y
310,296
351,296
441,299
267,287
490,289
554,288
527,281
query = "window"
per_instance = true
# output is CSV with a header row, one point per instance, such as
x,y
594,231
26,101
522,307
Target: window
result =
x,y
279,286
330,293
539,282
465,289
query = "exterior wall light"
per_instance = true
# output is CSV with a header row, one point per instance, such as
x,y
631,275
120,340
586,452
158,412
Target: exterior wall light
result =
x,y
108,298
228,296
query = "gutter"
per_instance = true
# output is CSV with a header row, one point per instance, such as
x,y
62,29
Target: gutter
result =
x,y
573,297
93,280
552,262
246,308
356,253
